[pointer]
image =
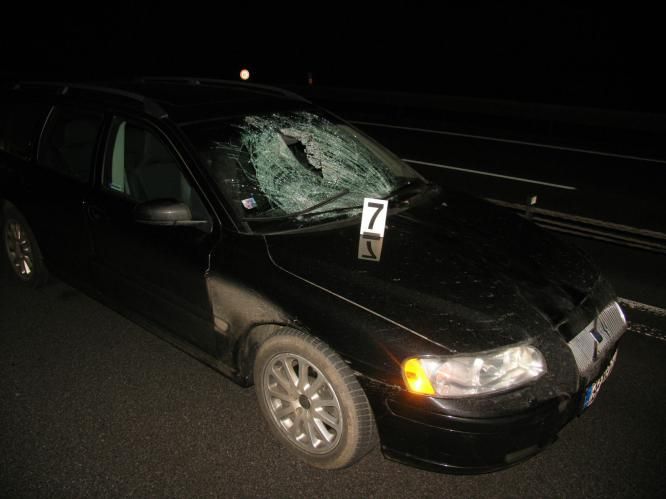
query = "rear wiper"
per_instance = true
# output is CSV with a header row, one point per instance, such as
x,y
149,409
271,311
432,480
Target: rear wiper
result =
x,y
301,212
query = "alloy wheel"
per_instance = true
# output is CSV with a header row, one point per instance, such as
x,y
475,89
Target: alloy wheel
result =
x,y
303,403
19,249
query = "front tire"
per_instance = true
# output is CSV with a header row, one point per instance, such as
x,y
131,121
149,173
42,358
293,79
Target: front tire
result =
x,y
20,249
312,400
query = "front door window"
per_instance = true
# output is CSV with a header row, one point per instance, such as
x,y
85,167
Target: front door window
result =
x,y
144,168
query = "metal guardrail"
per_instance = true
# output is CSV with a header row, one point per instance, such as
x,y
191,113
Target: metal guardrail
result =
x,y
577,225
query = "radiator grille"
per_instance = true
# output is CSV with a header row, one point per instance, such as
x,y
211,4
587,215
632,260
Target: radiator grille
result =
x,y
594,342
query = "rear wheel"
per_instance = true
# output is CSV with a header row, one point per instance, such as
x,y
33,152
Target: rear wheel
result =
x,y
21,251
312,401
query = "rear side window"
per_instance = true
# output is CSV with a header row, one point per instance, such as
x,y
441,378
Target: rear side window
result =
x,y
68,145
22,126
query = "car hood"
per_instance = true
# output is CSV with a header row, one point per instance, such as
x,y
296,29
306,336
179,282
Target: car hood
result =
x,y
462,272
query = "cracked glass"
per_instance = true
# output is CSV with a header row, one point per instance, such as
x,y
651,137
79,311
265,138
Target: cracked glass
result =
x,y
298,163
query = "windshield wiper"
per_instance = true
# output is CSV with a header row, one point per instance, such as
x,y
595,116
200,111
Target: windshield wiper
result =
x,y
409,186
301,212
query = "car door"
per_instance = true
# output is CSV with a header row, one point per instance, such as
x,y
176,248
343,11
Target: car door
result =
x,y
158,271
56,187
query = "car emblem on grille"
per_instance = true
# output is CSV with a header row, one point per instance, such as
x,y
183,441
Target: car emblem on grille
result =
x,y
598,338
602,322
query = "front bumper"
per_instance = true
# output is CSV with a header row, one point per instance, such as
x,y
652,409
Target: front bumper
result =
x,y
469,445
414,430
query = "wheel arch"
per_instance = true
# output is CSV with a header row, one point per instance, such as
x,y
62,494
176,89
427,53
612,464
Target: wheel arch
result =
x,y
249,343
243,319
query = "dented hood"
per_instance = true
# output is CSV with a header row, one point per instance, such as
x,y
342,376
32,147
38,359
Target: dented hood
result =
x,y
463,272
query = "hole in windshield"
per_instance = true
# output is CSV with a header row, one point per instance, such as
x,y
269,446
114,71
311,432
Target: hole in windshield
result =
x,y
290,163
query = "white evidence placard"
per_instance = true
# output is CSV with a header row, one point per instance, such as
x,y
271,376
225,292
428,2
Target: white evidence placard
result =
x,y
373,220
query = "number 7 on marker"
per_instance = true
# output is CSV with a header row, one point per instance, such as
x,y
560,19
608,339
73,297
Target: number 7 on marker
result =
x,y
373,220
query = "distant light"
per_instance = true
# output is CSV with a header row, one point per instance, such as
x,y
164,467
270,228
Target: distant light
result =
x,y
244,74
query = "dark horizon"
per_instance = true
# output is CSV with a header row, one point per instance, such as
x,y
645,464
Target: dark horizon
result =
x,y
578,56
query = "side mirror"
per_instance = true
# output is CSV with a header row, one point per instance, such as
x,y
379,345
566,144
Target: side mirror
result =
x,y
165,212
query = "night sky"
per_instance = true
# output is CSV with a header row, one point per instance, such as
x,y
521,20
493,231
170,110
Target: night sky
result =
x,y
559,53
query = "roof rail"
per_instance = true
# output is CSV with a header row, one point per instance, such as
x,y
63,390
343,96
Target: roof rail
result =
x,y
231,83
150,106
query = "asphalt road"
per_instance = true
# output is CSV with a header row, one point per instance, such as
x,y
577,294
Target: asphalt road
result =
x,y
93,405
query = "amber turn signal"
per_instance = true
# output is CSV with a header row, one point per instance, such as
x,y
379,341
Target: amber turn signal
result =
x,y
416,378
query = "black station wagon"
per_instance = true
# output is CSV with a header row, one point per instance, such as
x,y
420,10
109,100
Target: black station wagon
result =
x,y
286,249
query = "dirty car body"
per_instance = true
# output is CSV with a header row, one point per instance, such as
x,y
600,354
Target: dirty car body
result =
x,y
218,214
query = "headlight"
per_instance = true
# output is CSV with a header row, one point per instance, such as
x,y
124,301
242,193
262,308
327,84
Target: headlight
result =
x,y
475,374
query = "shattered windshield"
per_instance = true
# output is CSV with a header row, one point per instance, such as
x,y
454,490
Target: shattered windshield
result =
x,y
296,163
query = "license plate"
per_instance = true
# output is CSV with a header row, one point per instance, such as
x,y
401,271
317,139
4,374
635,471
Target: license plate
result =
x,y
593,390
